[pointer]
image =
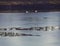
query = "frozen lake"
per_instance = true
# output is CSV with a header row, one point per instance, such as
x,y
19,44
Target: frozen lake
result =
x,y
46,38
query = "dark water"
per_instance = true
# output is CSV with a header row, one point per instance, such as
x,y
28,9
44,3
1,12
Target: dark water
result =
x,y
46,38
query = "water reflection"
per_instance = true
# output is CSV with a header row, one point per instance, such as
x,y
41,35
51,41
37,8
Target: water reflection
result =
x,y
47,38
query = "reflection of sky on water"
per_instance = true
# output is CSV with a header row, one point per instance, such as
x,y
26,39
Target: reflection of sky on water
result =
x,y
30,19
47,38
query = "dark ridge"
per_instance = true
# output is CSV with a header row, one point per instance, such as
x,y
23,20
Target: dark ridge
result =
x,y
39,7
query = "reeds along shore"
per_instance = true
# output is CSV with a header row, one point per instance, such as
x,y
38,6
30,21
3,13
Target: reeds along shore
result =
x,y
46,28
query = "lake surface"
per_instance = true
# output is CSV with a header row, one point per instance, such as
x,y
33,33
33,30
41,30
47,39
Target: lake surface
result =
x,y
41,19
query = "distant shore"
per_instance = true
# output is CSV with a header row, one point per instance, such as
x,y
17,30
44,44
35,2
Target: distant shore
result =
x,y
30,8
